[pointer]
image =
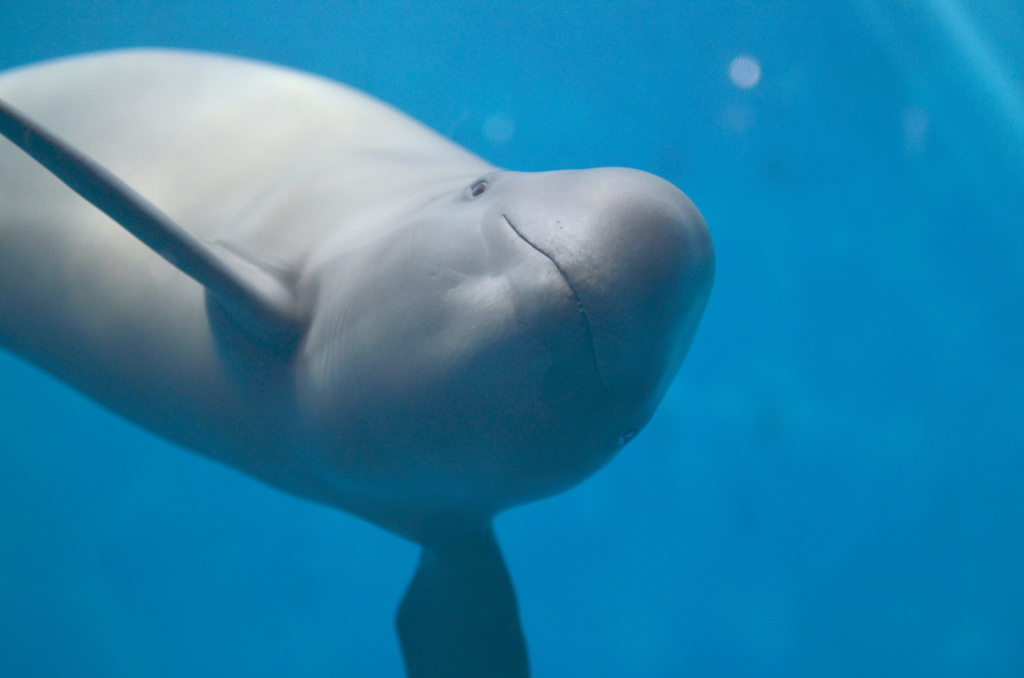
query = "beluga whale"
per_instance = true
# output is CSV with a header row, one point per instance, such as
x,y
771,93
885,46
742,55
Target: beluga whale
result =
x,y
292,278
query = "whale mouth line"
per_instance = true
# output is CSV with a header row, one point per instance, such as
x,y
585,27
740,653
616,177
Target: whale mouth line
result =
x,y
579,303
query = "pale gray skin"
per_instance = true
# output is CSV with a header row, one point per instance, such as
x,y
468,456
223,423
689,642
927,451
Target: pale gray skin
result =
x,y
456,354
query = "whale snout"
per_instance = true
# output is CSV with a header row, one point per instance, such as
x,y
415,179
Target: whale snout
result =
x,y
637,254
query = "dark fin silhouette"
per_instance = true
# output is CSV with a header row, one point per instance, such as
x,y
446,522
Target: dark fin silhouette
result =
x,y
257,299
459,618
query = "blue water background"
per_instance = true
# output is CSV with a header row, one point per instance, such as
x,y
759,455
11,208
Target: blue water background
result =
x,y
834,485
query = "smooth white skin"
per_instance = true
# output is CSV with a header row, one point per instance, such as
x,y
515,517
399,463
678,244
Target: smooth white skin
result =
x,y
464,354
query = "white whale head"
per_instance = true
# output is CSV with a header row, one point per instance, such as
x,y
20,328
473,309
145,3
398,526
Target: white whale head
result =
x,y
509,338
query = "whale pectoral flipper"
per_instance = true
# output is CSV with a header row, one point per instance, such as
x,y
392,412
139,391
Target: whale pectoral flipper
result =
x,y
257,299
459,618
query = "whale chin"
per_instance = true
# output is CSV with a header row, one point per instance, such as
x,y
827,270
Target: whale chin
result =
x,y
487,394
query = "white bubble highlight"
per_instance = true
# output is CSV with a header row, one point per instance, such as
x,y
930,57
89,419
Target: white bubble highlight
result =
x,y
745,72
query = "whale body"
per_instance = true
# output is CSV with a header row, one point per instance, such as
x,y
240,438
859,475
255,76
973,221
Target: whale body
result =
x,y
292,278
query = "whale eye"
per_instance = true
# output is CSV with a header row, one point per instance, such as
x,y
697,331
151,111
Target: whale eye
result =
x,y
476,188
627,436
